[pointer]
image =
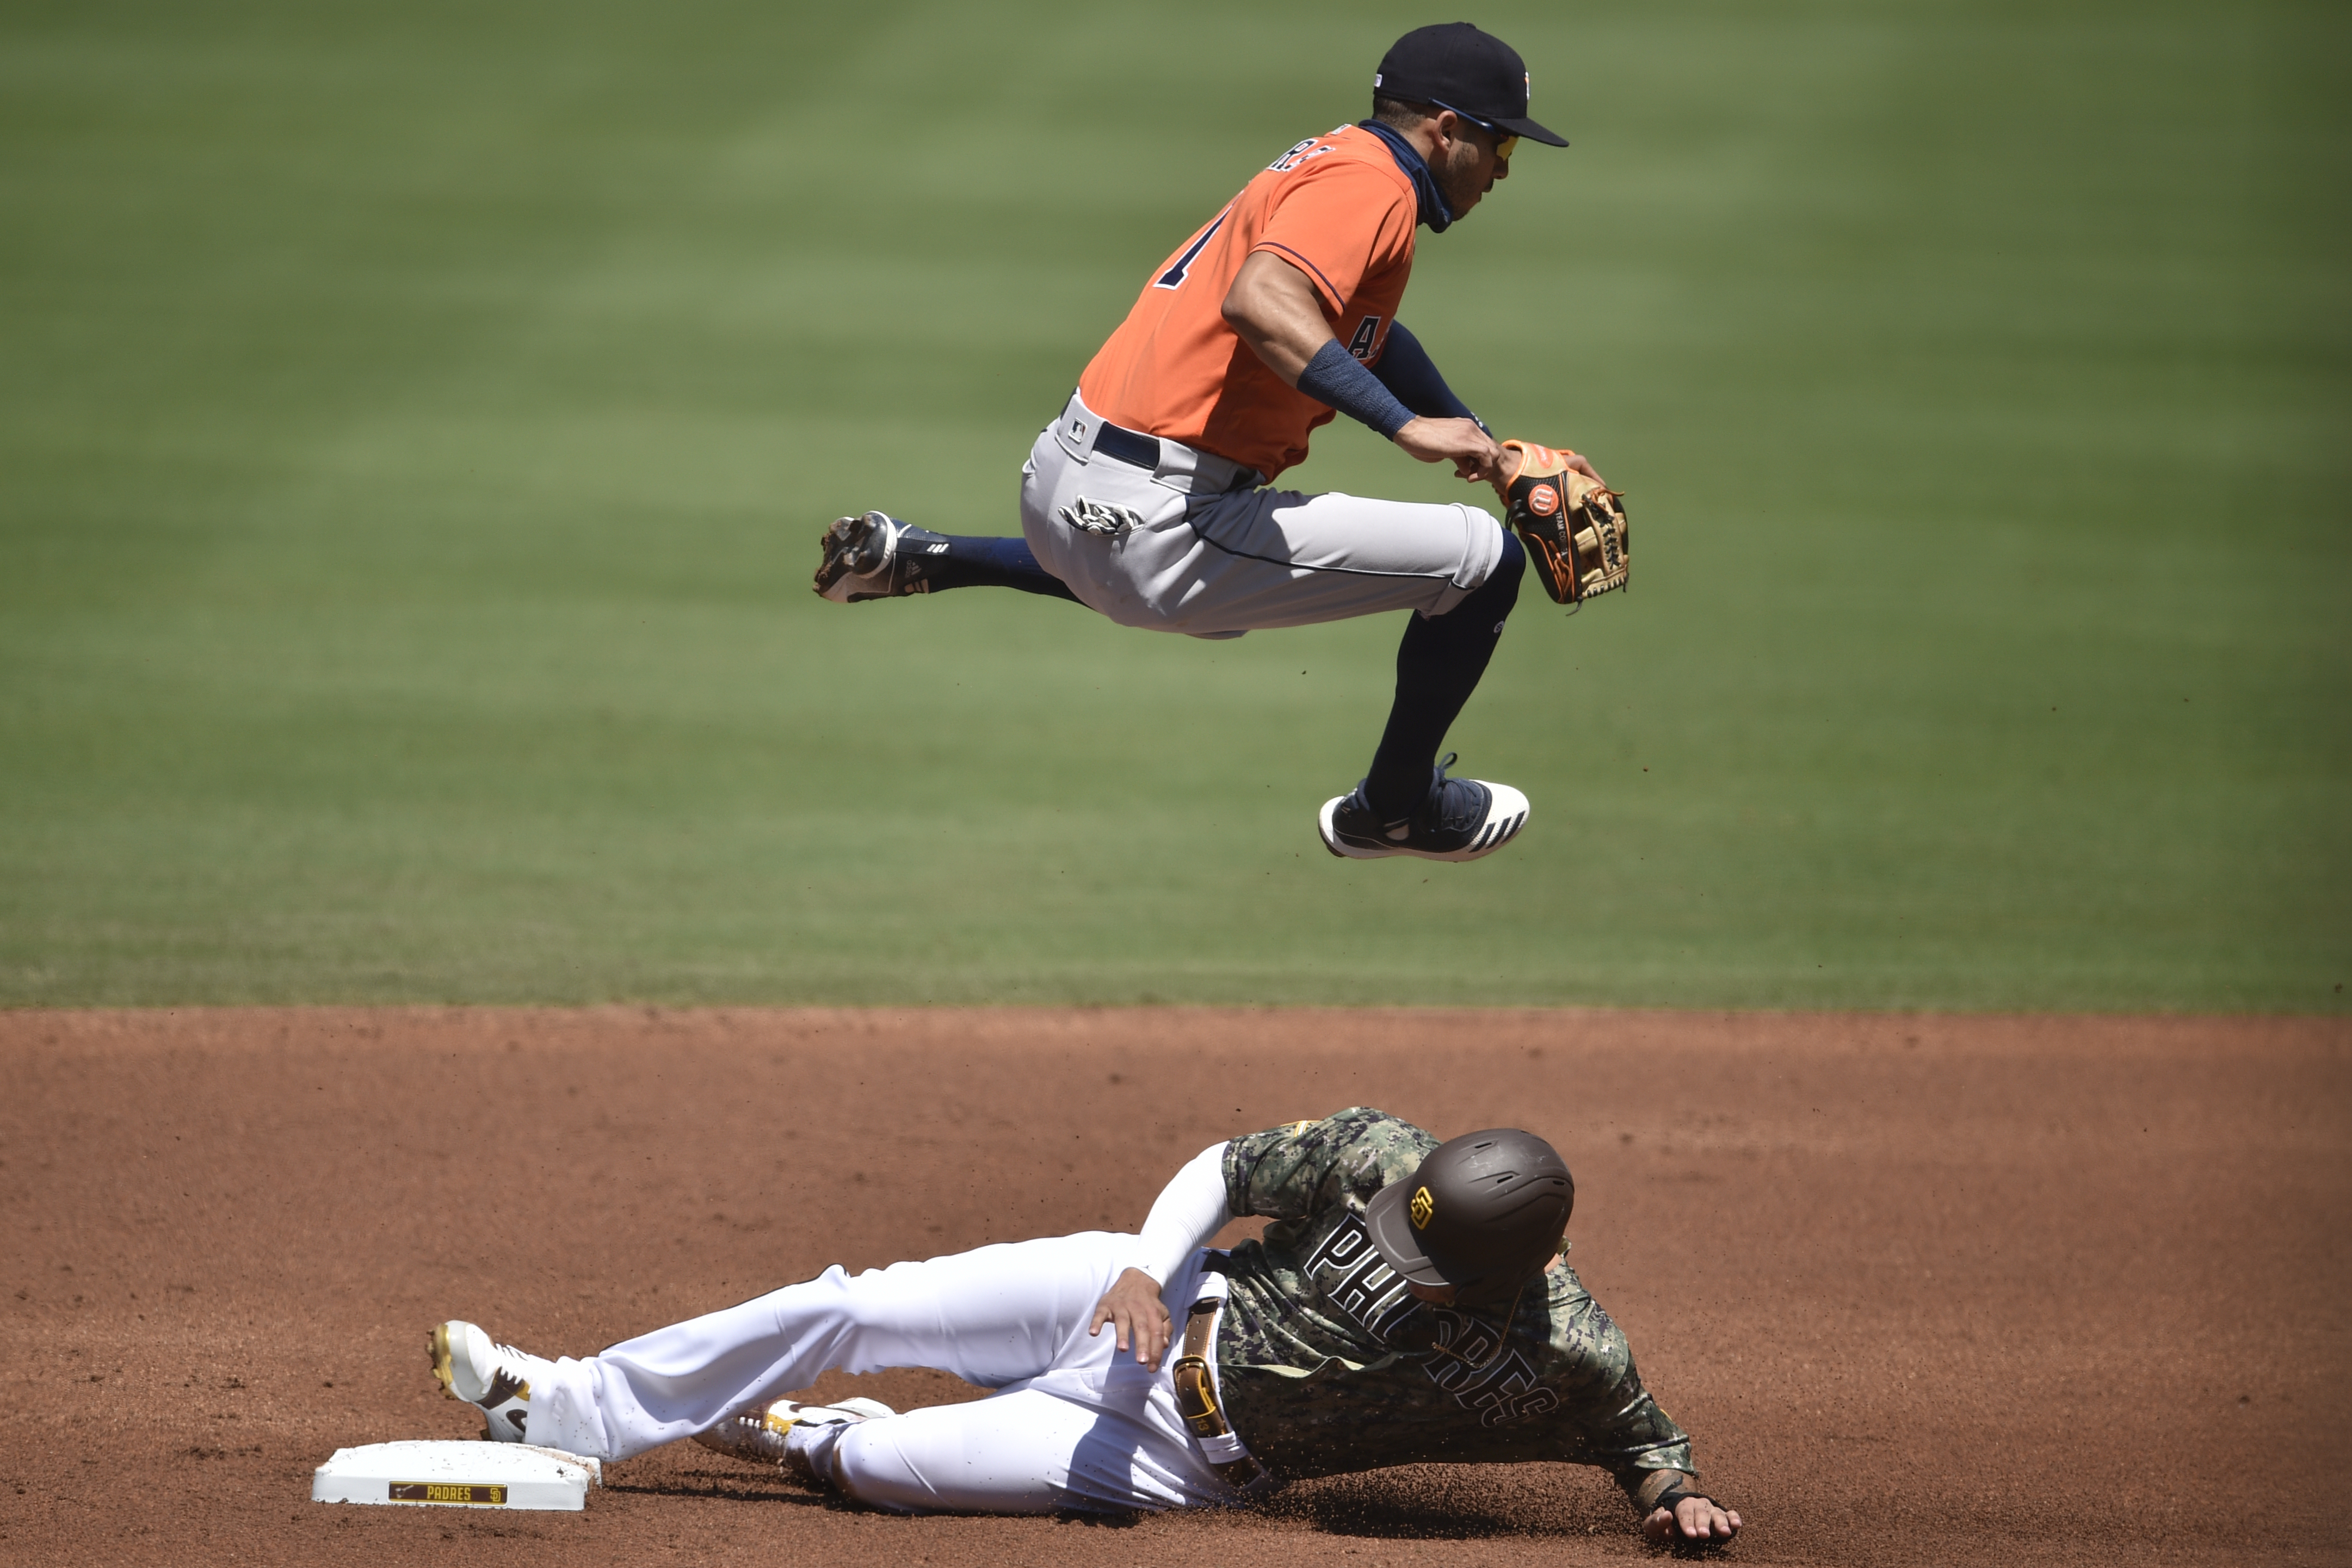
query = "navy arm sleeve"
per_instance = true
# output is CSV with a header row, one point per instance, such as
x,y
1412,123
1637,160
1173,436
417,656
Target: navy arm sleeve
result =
x,y
1407,371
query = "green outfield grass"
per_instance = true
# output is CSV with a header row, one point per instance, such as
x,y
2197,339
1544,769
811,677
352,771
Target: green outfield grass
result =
x,y
415,421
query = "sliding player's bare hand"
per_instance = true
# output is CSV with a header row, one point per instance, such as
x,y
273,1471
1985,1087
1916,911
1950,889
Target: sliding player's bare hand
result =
x,y
1132,1304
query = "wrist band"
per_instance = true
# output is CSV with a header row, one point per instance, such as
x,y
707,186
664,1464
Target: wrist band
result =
x,y
1337,377
1673,1496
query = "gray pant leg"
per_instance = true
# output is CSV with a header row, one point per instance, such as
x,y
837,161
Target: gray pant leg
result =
x,y
1217,565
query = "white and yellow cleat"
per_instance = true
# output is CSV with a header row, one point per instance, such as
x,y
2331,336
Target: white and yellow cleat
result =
x,y
760,1433
495,1379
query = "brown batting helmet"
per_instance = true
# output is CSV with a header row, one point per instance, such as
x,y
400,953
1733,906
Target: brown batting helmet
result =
x,y
1484,1213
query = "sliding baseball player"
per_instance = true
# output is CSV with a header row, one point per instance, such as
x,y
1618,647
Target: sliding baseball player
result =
x,y
1411,1303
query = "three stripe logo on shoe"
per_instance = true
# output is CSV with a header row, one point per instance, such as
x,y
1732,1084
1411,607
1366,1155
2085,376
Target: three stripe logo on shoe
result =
x,y
1496,832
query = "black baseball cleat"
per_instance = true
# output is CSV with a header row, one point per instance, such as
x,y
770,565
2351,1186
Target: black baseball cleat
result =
x,y
875,557
1461,820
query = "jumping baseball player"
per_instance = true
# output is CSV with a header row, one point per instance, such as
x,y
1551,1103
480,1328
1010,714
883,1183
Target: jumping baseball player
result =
x,y
1412,1303
1149,498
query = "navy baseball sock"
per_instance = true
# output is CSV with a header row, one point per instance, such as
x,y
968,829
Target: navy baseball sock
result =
x,y
974,560
1438,666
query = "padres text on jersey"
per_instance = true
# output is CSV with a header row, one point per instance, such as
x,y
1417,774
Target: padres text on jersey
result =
x,y
1327,1363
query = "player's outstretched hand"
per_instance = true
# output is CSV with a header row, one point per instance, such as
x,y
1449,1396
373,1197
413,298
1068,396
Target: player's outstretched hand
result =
x,y
1694,1519
1475,455
1133,1303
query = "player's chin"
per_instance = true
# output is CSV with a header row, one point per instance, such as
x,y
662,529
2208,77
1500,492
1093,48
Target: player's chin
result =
x,y
1462,195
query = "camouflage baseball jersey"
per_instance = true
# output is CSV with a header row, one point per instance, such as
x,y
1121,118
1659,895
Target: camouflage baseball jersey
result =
x,y
1327,1363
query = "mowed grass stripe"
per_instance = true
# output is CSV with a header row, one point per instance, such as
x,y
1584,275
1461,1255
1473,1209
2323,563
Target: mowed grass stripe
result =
x,y
415,426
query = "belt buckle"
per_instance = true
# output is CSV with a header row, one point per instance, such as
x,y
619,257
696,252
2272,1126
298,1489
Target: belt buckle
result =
x,y
1196,1403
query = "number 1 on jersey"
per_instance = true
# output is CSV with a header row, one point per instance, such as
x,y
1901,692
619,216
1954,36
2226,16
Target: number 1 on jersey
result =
x,y
1174,277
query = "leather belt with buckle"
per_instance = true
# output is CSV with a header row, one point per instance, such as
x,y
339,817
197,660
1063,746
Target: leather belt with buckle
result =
x,y
1196,1401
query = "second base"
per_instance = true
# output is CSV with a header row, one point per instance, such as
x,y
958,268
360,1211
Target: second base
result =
x,y
457,1474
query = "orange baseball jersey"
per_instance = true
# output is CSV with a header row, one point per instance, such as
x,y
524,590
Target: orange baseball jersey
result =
x,y
1338,208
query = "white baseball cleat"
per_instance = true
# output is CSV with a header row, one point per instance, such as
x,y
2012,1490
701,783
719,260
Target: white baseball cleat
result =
x,y
495,1379
1462,819
876,556
759,1434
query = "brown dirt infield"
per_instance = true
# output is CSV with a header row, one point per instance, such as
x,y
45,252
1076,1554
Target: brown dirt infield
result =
x,y
1924,1289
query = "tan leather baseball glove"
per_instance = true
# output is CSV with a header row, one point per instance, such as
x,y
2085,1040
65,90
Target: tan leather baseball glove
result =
x,y
1574,525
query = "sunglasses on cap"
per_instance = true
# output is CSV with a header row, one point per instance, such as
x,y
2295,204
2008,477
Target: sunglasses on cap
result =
x,y
1505,141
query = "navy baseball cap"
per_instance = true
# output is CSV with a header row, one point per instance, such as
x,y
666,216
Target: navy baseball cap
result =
x,y
1454,65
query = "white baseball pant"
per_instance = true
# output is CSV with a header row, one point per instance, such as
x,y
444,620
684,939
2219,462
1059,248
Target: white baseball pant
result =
x,y
1189,546
1073,1423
